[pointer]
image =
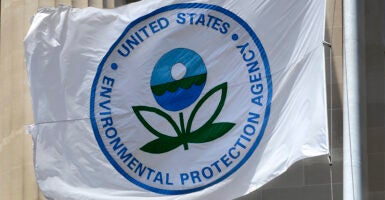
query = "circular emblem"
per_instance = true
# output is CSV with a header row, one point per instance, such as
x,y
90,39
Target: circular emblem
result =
x,y
181,100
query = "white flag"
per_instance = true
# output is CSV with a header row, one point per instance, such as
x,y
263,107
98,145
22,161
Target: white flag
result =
x,y
205,99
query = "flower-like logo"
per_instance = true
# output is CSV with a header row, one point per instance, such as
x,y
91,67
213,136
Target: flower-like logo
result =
x,y
175,93
175,86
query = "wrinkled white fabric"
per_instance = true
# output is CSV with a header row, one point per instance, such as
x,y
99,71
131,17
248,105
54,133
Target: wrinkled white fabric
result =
x,y
65,47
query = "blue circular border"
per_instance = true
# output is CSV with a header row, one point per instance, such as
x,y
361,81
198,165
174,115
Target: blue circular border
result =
x,y
267,111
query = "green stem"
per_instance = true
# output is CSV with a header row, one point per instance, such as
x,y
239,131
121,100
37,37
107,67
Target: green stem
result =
x,y
183,130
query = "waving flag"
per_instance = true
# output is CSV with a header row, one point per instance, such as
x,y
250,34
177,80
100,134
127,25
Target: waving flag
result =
x,y
175,99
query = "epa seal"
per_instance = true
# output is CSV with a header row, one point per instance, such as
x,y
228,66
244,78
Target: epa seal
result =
x,y
181,100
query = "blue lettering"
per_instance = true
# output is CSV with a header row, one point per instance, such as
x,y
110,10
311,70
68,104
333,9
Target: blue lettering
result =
x,y
124,52
180,18
249,129
150,171
141,169
231,153
224,28
215,164
123,155
253,118
132,164
256,89
254,78
105,113
163,23
239,143
183,177
195,176
108,81
253,66
108,132
116,143
200,20
105,92
242,47
210,20
158,177
225,160
107,122
132,41
168,179
207,172
103,104
154,27
143,30
248,56
192,15
245,138
138,36
216,24
257,100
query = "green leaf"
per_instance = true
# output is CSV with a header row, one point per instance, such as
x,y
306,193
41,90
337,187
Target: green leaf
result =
x,y
161,145
139,109
210,132
219,88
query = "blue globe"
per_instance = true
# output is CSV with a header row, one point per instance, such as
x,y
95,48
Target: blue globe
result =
x,y
172,94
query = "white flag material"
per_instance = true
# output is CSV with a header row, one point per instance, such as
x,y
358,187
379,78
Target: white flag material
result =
x,y
205,99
